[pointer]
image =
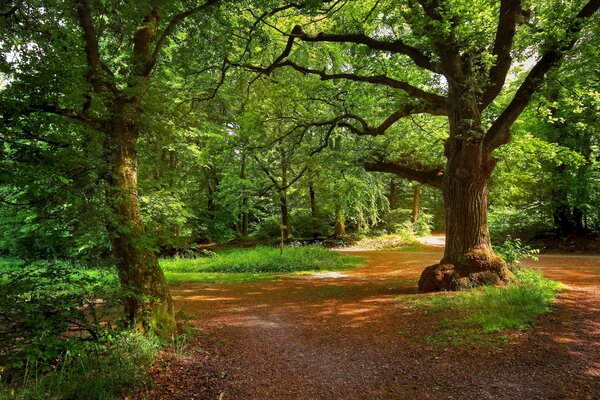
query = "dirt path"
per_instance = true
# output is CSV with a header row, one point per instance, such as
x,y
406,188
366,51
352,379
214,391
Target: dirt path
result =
x,y
345,337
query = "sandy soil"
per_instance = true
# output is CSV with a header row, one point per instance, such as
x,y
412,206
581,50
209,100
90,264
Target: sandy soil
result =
x,y
343,336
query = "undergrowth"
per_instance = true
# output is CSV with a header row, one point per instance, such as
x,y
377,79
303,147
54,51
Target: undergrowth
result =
x,y
60,337
106,369
485,315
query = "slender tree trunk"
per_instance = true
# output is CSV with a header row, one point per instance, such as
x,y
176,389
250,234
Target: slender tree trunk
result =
x,y
340,224
285,218
392,194
313,201
245,213
137,265
416,205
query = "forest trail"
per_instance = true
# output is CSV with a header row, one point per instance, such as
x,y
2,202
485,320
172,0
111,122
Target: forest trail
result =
x,y
345,336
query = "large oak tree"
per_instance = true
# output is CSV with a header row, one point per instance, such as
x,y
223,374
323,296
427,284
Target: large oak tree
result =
x,y
451,59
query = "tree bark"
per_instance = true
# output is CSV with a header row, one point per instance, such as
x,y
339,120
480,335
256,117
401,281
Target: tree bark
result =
x,y
392,195
468,256
245,213
285,218
340,224
137,265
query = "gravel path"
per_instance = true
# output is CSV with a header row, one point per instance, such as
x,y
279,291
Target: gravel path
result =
x,y
345,337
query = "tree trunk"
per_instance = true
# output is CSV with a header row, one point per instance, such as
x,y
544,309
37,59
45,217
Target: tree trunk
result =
x,y
147,294
245,213
392,195
313,201
340,224
416,206
285,218
468,257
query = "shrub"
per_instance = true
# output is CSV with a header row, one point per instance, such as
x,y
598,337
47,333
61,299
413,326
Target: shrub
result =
x,y
105,369
41,301
307,226
513,251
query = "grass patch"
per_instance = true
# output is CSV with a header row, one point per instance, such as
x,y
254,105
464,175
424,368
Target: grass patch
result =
x,y
174,277
475,314
257,264
388,242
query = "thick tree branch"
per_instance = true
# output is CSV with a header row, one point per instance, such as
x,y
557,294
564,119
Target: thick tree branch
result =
x,y
432,177
92,52
499,133
433,98
396,47
507,27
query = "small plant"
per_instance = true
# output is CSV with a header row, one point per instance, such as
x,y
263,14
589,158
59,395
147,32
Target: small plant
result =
x,y
513,251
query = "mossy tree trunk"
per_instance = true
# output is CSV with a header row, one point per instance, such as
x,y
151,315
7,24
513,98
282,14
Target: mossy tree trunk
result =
x,y
147,293
139,272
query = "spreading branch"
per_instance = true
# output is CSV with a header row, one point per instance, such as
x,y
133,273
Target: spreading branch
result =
x,y
92,52
171,27
395,47
437,100
499,133
507,27
427,176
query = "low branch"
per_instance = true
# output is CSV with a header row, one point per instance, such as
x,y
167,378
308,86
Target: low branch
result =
x,y
432,177
499,133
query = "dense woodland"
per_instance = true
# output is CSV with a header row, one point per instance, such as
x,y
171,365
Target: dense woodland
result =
x,y
131,131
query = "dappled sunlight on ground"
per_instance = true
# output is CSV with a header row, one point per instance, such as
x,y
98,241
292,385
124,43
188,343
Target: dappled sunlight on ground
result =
x,y
333,333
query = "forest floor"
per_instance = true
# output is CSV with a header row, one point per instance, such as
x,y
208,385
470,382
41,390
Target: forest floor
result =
x,y
346,336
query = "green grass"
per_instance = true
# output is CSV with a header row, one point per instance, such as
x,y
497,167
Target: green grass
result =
x,y
484,315
256,264
174,277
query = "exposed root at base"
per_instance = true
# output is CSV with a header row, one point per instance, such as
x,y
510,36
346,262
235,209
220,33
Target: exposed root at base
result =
x,y
476,271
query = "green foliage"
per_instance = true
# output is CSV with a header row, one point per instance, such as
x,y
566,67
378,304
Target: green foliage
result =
x,y
306,226
41,301
398,222
513,251
264,260
472,314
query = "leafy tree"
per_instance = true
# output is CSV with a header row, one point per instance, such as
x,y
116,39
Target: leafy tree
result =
x,y
449,59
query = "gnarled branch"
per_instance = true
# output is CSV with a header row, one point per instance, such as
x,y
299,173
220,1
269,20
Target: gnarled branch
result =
x,y
396,47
